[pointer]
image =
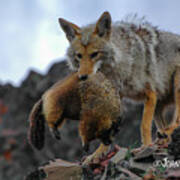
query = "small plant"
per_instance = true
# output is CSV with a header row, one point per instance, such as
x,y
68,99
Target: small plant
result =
x,y
130,148
161,169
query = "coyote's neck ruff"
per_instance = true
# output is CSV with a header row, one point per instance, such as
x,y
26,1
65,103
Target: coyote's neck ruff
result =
x,y
142,61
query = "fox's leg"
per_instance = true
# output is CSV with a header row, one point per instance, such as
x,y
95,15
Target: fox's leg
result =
x,y
57,125
85,133
54,116
149,108
55,121
102,149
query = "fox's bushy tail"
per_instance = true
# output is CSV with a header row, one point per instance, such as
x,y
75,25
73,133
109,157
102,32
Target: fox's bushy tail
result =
x,y
37,126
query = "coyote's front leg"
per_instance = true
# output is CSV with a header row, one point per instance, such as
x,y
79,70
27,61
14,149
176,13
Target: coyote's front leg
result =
x,y
148,114
177,97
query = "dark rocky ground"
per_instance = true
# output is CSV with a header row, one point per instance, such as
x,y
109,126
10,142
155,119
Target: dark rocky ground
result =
x,y
152,163
155,162
17,157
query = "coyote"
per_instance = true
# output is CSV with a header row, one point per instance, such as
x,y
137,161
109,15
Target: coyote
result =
x,y
94,102
141,61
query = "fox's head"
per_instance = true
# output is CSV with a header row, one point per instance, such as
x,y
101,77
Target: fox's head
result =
x,y
89,46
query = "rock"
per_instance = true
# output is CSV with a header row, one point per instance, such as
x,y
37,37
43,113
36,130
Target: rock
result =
x,y
150,176
130,174
174,146
120,155
139,167
114,171
160,155
56,170
36,175
146,155
132,170
144,159
125,164
173,174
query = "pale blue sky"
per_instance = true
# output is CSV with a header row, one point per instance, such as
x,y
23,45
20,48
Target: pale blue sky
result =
x,y
30,36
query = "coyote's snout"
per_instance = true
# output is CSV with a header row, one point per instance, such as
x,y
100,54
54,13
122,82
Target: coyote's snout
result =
x,y
88,48
86,68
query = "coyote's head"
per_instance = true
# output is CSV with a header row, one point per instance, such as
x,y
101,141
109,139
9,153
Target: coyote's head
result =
x,y
89,46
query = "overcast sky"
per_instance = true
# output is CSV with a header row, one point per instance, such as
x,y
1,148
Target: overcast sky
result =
x,y
30,36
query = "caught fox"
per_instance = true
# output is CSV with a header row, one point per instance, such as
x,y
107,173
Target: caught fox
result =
x,y
141,61
94,102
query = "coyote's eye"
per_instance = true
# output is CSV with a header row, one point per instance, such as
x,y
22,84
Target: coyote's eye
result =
x,y
93,55
79,55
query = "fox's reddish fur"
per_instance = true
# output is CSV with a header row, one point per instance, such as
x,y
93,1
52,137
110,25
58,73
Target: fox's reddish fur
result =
x,y
94,102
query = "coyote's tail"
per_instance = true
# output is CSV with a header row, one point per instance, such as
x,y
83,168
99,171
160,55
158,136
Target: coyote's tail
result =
x,y
37,126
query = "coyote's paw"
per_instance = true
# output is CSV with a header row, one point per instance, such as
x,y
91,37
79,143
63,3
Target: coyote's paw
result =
x,y
162,142
176,120
137,150
162,139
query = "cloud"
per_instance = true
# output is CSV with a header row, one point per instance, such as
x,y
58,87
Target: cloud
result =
x,y
48,46
31,37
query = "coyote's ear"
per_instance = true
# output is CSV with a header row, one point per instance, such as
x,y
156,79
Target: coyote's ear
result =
x,y
103,25
70,29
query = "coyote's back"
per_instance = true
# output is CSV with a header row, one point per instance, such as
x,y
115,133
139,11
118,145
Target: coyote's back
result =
x,y
132,53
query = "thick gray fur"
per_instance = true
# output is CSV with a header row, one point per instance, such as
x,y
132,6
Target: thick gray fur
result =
x,y
137,54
